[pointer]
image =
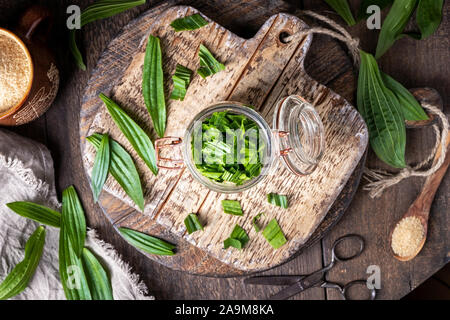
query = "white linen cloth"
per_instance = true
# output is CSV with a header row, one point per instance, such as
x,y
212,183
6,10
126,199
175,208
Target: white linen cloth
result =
x,y
27,174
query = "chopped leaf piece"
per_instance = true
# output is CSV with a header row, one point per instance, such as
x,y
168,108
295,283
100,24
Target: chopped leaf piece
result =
x,y
208,64
192,22
232,207
147,243
238,238
17,280
181,80
255,221
192,223
274,235
153,85
278,200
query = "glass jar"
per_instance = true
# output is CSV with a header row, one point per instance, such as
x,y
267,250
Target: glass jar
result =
x,y
296,138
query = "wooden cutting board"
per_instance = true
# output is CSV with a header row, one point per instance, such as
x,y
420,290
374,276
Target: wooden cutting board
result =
x,y
259,71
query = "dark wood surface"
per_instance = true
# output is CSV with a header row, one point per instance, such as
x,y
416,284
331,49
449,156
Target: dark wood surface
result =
x,y
414,63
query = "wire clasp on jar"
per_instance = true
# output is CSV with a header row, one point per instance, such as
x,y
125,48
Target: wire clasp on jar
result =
x,y
161,144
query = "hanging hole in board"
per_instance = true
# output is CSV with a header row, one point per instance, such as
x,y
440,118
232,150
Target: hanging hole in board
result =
x,y
284,37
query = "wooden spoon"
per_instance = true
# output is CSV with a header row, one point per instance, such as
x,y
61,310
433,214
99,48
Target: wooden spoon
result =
x,y
421,206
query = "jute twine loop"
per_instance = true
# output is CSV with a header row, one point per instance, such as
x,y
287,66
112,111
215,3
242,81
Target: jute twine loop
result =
x,y
380,180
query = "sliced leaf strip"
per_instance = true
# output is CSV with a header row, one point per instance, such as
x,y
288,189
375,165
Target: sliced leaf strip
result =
x,y
238,238
19,277
36,212
153,85
133,132
343,9
73,219
274,235
278,200
255,221
147,243
97,278
192,22
100,10
411,108
208,64
101,167
232,207
192,223
181,80
123,169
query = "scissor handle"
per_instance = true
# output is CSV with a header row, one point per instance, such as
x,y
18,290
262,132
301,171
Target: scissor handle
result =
x,y
372,291
349,238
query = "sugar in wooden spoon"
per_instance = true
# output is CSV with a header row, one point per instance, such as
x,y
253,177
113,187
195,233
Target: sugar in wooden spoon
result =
x,y
409,234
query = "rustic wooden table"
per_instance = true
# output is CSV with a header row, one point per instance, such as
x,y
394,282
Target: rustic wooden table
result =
x,y
414,63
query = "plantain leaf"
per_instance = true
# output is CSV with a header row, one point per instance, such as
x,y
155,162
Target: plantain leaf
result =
x,y
411,109
278,200
73,219
343,9
429,16
18,279
100,10
238,238
101,167
192,223
273,234
131,130
36,212
71,271
382,112
97,278
192,22
393,24
208,64
362,13
153,85
122,168
147,243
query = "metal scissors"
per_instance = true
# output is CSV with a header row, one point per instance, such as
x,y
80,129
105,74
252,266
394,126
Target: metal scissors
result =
x,y
297,284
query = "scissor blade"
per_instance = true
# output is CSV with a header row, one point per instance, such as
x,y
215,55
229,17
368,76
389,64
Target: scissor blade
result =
x,y
273,280
288,292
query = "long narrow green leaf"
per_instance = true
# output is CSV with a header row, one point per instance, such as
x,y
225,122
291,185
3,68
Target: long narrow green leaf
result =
x,y
232,207
123,169
133,132
71,271
362,13
208,64
97,278
100,10
73,219
181,80
18,279
411,109
343,9
429,16
101,167
278,200
153,85
36,212
147,243
382,112
393,24
192,22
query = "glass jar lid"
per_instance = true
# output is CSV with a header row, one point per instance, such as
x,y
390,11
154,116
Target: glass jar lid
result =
x,y
299,132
